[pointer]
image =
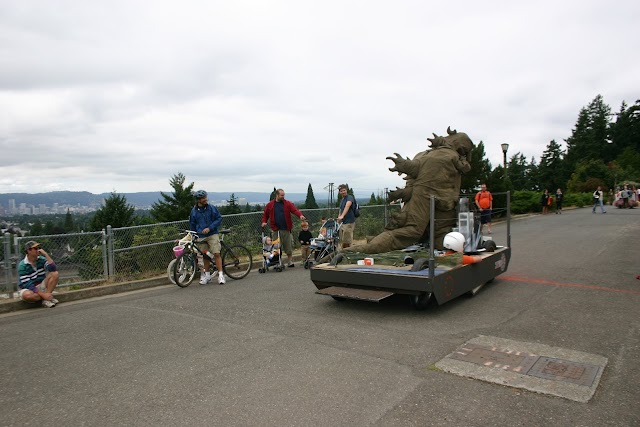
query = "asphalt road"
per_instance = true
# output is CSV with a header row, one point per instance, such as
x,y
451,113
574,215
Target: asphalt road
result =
x,y
267,351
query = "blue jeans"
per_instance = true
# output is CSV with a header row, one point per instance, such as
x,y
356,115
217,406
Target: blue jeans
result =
x,y
597,202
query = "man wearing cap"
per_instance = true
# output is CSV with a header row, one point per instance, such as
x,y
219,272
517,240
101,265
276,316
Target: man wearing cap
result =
x,y
38,276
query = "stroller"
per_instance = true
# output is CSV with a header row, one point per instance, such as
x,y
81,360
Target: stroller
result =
x,y
271,254
325,246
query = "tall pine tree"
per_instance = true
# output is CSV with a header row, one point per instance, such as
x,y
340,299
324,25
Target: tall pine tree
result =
x,y
310,201
176,206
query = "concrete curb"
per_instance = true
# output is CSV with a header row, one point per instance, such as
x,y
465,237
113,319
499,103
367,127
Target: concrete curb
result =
x,y
15,304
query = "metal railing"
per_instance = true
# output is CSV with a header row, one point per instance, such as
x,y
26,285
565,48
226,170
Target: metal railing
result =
x,y
129,253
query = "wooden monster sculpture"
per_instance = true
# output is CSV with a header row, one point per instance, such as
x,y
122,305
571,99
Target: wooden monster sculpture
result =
x,y
438,172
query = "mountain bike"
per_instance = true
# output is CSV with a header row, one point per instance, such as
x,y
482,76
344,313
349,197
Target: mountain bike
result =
x,y
236,260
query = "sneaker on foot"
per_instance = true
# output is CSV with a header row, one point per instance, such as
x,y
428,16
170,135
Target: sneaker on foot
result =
x,y
291,265
55,301
47,304
205,278
221,279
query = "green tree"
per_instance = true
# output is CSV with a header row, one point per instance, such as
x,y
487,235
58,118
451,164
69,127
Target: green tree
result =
x,y
310,201
115,212
232,206
176,206
550,169
36,228
480,170
372,199
517,171
68,222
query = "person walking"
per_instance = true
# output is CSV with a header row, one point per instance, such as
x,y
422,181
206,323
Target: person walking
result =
x,y
559,197
37,276
347,216
205,220
278,214
484,202
597,200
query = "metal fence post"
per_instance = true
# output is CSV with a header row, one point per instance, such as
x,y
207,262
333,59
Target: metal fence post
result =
x,y
6,243
110,251
105,263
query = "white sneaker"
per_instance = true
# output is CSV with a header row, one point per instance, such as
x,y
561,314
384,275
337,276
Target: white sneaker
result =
x,y
47,304
55,301
221,279
204,279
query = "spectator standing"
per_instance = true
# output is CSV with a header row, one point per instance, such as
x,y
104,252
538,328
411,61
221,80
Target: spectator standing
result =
x,y
347,216
625,194
304,237
544,201
484,202
559,198
38,276
205,220
597,200
278,213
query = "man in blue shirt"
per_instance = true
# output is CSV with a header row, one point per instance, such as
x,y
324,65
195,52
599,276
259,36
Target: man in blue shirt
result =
x,y
38,276
347,216
205,220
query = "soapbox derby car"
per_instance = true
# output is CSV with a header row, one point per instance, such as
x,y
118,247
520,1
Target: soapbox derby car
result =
x,y
417,272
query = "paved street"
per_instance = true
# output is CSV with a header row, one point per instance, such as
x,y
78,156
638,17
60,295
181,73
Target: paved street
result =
x,y
267,351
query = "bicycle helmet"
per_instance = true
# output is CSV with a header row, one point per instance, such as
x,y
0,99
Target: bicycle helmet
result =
x,y
454,241
200,194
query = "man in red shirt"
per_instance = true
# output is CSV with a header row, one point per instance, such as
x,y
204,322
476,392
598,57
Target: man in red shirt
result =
x,y
484,202
278,213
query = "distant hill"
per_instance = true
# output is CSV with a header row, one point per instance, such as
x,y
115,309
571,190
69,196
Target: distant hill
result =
x,y
140,200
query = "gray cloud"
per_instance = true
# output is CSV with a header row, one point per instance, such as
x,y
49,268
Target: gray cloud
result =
x,y
244,96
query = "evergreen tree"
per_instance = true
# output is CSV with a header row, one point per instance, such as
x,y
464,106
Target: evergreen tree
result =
x,y
176,206
517,170
115,212
590,137
36,228
372,199
310,201
68,222
247,208
232,206
480,170
550,169
273,194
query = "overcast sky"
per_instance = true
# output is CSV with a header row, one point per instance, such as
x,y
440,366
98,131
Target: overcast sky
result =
x,y
249,95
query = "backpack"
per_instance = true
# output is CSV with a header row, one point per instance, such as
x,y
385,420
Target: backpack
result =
x,y
356,208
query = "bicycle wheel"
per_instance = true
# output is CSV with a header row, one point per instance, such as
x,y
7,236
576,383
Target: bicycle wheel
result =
x,y
236,261
185,269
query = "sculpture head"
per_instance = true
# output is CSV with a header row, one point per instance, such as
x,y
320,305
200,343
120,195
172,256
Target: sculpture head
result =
x,y
458,141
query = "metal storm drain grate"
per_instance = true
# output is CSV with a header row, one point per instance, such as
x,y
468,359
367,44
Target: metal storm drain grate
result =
x,y
540,368
516,361
564,370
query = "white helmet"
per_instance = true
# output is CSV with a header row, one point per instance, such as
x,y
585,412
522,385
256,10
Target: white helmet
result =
x,y
454,241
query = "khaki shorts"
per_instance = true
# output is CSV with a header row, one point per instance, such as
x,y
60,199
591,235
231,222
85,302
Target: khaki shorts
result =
x,y
39,286
211,243
346,233
286,241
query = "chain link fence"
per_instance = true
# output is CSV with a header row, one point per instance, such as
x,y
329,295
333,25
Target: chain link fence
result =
x,y
130,253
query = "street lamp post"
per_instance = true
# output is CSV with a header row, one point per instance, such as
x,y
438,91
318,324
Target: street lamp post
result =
x,y
505,147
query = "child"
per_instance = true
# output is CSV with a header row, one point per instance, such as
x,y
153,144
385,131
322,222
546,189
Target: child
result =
x,y
323,229
304,237
270,250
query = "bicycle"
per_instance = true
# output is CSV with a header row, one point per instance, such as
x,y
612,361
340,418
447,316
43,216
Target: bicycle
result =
x,y
236,260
